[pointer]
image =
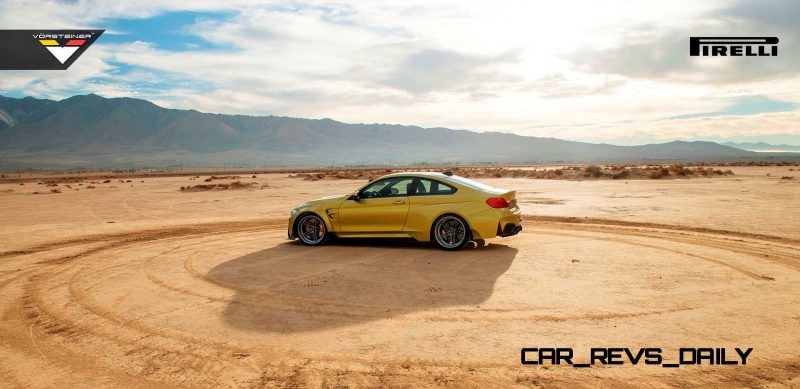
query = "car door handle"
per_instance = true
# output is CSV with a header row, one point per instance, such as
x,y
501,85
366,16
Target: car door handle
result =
x,y
399,202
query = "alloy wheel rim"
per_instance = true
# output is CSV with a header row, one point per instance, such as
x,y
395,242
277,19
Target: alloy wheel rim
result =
x,y
450,232
311,230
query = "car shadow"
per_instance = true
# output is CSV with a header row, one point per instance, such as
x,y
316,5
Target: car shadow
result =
x,y
295,288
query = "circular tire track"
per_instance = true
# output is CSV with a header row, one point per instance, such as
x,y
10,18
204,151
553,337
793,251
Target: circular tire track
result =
x,y
213,304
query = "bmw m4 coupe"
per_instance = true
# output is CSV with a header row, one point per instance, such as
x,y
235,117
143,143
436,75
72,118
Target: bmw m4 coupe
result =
x,y
449,210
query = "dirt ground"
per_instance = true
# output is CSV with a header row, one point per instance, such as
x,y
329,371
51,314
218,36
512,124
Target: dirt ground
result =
x,y
138,284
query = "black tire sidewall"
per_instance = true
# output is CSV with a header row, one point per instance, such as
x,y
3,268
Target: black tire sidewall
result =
x,y
297,229
467,233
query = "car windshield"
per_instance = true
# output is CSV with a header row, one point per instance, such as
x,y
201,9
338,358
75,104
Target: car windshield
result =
x,y
472,184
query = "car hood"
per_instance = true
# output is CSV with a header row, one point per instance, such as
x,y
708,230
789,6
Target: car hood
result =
x,y
333,200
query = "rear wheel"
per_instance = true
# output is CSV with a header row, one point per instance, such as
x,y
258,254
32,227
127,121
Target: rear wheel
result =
x,y
450,232
311,230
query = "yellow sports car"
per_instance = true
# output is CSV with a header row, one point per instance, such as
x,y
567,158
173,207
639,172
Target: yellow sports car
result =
x,y
440,207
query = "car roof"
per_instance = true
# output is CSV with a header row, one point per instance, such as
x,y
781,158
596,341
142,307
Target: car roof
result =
x,y
435,175
416,174
443,177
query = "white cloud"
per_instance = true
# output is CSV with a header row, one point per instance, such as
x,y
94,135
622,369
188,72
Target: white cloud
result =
x,y
530,67
718,127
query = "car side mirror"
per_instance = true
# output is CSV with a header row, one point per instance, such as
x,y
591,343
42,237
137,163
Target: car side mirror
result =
x,y
354,197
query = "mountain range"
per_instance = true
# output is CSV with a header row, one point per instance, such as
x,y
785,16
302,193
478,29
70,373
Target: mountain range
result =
x,y
93,131
762,147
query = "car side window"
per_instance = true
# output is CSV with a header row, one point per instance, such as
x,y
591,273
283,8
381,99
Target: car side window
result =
x,y
427,186
390,187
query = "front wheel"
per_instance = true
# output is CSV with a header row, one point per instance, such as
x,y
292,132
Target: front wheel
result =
x,y
311,230
450,232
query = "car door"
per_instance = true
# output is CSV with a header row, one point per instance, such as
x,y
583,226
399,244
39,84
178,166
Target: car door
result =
x,y
381,207
430,199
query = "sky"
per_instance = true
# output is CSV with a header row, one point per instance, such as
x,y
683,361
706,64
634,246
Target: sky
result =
x,y
614,72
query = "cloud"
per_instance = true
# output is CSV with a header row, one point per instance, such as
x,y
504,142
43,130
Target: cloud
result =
x,y
433,70
716,127
747,105
657,52
615,68
560,85
59,84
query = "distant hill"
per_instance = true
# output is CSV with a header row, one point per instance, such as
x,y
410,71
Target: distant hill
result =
x,y
763,147
93,131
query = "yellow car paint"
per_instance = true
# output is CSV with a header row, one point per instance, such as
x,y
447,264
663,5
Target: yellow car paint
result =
x,y
397,213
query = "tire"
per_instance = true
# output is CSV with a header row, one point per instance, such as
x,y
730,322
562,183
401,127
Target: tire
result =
x,y
311,230
450,232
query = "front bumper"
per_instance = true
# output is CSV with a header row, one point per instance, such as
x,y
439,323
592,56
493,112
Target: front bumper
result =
x,y
290,230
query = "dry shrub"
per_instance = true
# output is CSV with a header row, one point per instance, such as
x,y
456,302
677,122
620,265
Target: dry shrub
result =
x,y
220,186
90,187
106,181
212,178
656,174
678,170
225,177
620,175
593,171
787,178
55,190
621,171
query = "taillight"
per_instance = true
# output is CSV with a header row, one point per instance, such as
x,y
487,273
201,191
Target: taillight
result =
x,y
497,202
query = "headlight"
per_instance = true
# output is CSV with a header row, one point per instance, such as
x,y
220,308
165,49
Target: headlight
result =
x,y
294,211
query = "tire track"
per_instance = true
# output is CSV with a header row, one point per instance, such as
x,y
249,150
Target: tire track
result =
x,y
60,310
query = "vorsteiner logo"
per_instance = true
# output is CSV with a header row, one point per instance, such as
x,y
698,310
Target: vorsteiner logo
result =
x,y
43,49
62,52
733,46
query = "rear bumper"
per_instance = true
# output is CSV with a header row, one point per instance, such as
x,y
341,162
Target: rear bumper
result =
x,y
510,229
490,223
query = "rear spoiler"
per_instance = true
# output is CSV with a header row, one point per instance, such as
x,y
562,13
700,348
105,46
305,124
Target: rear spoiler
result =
x,y
507,194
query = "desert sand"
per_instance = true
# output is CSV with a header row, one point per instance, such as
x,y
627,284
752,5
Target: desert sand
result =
x,y
140,284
